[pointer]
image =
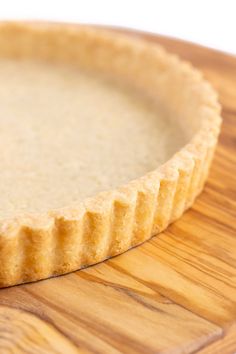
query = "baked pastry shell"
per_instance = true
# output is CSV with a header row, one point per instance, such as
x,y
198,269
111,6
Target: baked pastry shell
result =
x,y
38,246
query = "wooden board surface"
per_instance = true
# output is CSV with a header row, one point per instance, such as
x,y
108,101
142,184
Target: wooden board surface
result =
x,y
174,294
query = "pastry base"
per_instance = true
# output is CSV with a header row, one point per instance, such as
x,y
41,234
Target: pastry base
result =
x,y
40,245
71,134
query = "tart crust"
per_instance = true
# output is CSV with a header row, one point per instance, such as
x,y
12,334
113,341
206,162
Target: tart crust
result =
x,y
38,246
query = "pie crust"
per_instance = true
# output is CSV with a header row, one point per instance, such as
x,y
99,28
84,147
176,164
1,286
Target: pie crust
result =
x,y
36,246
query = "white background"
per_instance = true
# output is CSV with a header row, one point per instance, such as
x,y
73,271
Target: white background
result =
x,y
208,22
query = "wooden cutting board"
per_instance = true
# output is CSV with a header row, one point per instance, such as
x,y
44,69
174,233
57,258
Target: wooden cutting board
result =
x,y
174,294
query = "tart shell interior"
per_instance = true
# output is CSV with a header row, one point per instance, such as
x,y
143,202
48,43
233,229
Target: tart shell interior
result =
x,y
67,134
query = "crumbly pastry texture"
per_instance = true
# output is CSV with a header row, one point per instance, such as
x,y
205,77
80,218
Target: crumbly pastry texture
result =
x,y
38,245
63,121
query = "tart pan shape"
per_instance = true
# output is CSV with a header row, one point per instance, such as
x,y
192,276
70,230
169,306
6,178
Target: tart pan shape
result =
x,y
38,245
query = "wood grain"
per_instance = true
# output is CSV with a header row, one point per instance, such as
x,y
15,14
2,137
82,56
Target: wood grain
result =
x,y
23,332
225,345
174,294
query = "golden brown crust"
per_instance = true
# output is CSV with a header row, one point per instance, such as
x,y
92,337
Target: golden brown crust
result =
x,y
39,246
